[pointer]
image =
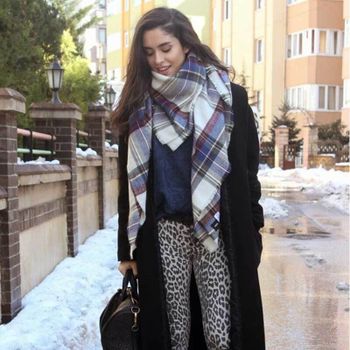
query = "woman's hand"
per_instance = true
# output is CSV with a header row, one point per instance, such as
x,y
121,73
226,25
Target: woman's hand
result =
x,y
126,265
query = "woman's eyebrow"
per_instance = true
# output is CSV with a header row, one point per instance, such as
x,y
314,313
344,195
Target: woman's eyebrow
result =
x,y
161,45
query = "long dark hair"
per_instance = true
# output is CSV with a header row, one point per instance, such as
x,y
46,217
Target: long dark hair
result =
x,y
138,75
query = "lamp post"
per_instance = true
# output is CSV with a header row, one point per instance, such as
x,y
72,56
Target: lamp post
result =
x,y
110,95
55,77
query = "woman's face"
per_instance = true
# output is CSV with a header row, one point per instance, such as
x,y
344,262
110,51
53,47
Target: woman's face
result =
x,y
163,51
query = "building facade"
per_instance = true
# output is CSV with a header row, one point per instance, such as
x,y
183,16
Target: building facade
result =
x,y
95,38
345,117
282,51
122,16
285,51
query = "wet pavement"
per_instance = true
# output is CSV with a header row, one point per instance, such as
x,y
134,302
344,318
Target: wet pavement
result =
x,y
303,274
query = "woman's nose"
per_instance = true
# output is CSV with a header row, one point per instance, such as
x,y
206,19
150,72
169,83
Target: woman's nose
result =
x,y
158,58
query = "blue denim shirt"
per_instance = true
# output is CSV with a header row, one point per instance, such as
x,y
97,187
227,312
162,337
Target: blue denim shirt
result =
x,y
172,178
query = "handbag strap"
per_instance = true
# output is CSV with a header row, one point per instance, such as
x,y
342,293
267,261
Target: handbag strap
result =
x,y
129,278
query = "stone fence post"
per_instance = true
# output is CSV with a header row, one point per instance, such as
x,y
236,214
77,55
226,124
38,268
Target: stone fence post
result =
x,y
310,136
11,102
96,127
61,120
281,140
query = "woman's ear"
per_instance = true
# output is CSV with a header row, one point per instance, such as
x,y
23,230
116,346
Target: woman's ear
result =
x,y
186,50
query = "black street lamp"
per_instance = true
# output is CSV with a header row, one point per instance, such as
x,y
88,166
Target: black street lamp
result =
x,y
110,95
55,77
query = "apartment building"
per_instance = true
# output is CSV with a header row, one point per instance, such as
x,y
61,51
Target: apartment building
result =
x,y
345,117
95,38
283,51
288,51
122,16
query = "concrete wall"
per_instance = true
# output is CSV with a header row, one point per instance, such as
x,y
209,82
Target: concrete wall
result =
x,y
42,224
88,220
112,184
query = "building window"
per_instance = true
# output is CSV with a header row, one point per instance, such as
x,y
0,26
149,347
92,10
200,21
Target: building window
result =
x,y
340,98
334,42
227,9
347,33
102,4
321,97
314,97
259,4
126,39
259,50
227,56
322,41
331,99
314,42
137,2
102,35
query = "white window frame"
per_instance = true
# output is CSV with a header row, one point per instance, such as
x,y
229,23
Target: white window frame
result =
x,y
259,50
307,97
307,43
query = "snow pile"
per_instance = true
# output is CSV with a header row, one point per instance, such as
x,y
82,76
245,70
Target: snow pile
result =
x,y
63,311
39,160
87,153
332,185
274,208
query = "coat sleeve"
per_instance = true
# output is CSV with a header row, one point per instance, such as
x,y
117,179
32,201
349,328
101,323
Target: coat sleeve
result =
x,y
253,166
123,202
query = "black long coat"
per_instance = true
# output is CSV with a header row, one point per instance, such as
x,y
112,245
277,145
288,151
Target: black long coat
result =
x,y
241,219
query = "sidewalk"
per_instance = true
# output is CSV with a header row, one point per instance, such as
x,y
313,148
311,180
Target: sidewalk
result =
x,y
304,262
63,311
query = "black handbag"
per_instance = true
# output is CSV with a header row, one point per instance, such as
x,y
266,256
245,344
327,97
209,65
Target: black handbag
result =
x,y
119,322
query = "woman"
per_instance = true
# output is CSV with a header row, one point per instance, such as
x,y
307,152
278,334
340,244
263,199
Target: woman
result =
x,y
189,216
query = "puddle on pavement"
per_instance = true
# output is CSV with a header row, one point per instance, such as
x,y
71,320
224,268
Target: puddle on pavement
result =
x,y
306,219
304,230
306,306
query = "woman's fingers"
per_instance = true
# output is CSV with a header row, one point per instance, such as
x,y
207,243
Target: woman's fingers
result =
x,y
126,265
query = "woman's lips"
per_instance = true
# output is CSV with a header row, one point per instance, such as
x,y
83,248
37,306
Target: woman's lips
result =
x,y
163,70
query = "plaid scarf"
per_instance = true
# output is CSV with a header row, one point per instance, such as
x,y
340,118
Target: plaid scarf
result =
x,y
196,100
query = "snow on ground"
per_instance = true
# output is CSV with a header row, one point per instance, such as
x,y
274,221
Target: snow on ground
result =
x,y
333,186
63,311
274,208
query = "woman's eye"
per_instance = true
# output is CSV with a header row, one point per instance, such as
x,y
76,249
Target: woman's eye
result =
x,y
166,49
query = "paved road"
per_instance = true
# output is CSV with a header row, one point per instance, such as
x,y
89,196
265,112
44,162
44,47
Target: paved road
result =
x,y
305,257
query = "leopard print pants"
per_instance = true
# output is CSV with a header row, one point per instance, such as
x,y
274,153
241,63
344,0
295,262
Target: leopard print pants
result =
x,y
180,253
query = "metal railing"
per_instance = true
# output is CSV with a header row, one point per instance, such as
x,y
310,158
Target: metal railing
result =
x,y
82,136
29,149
